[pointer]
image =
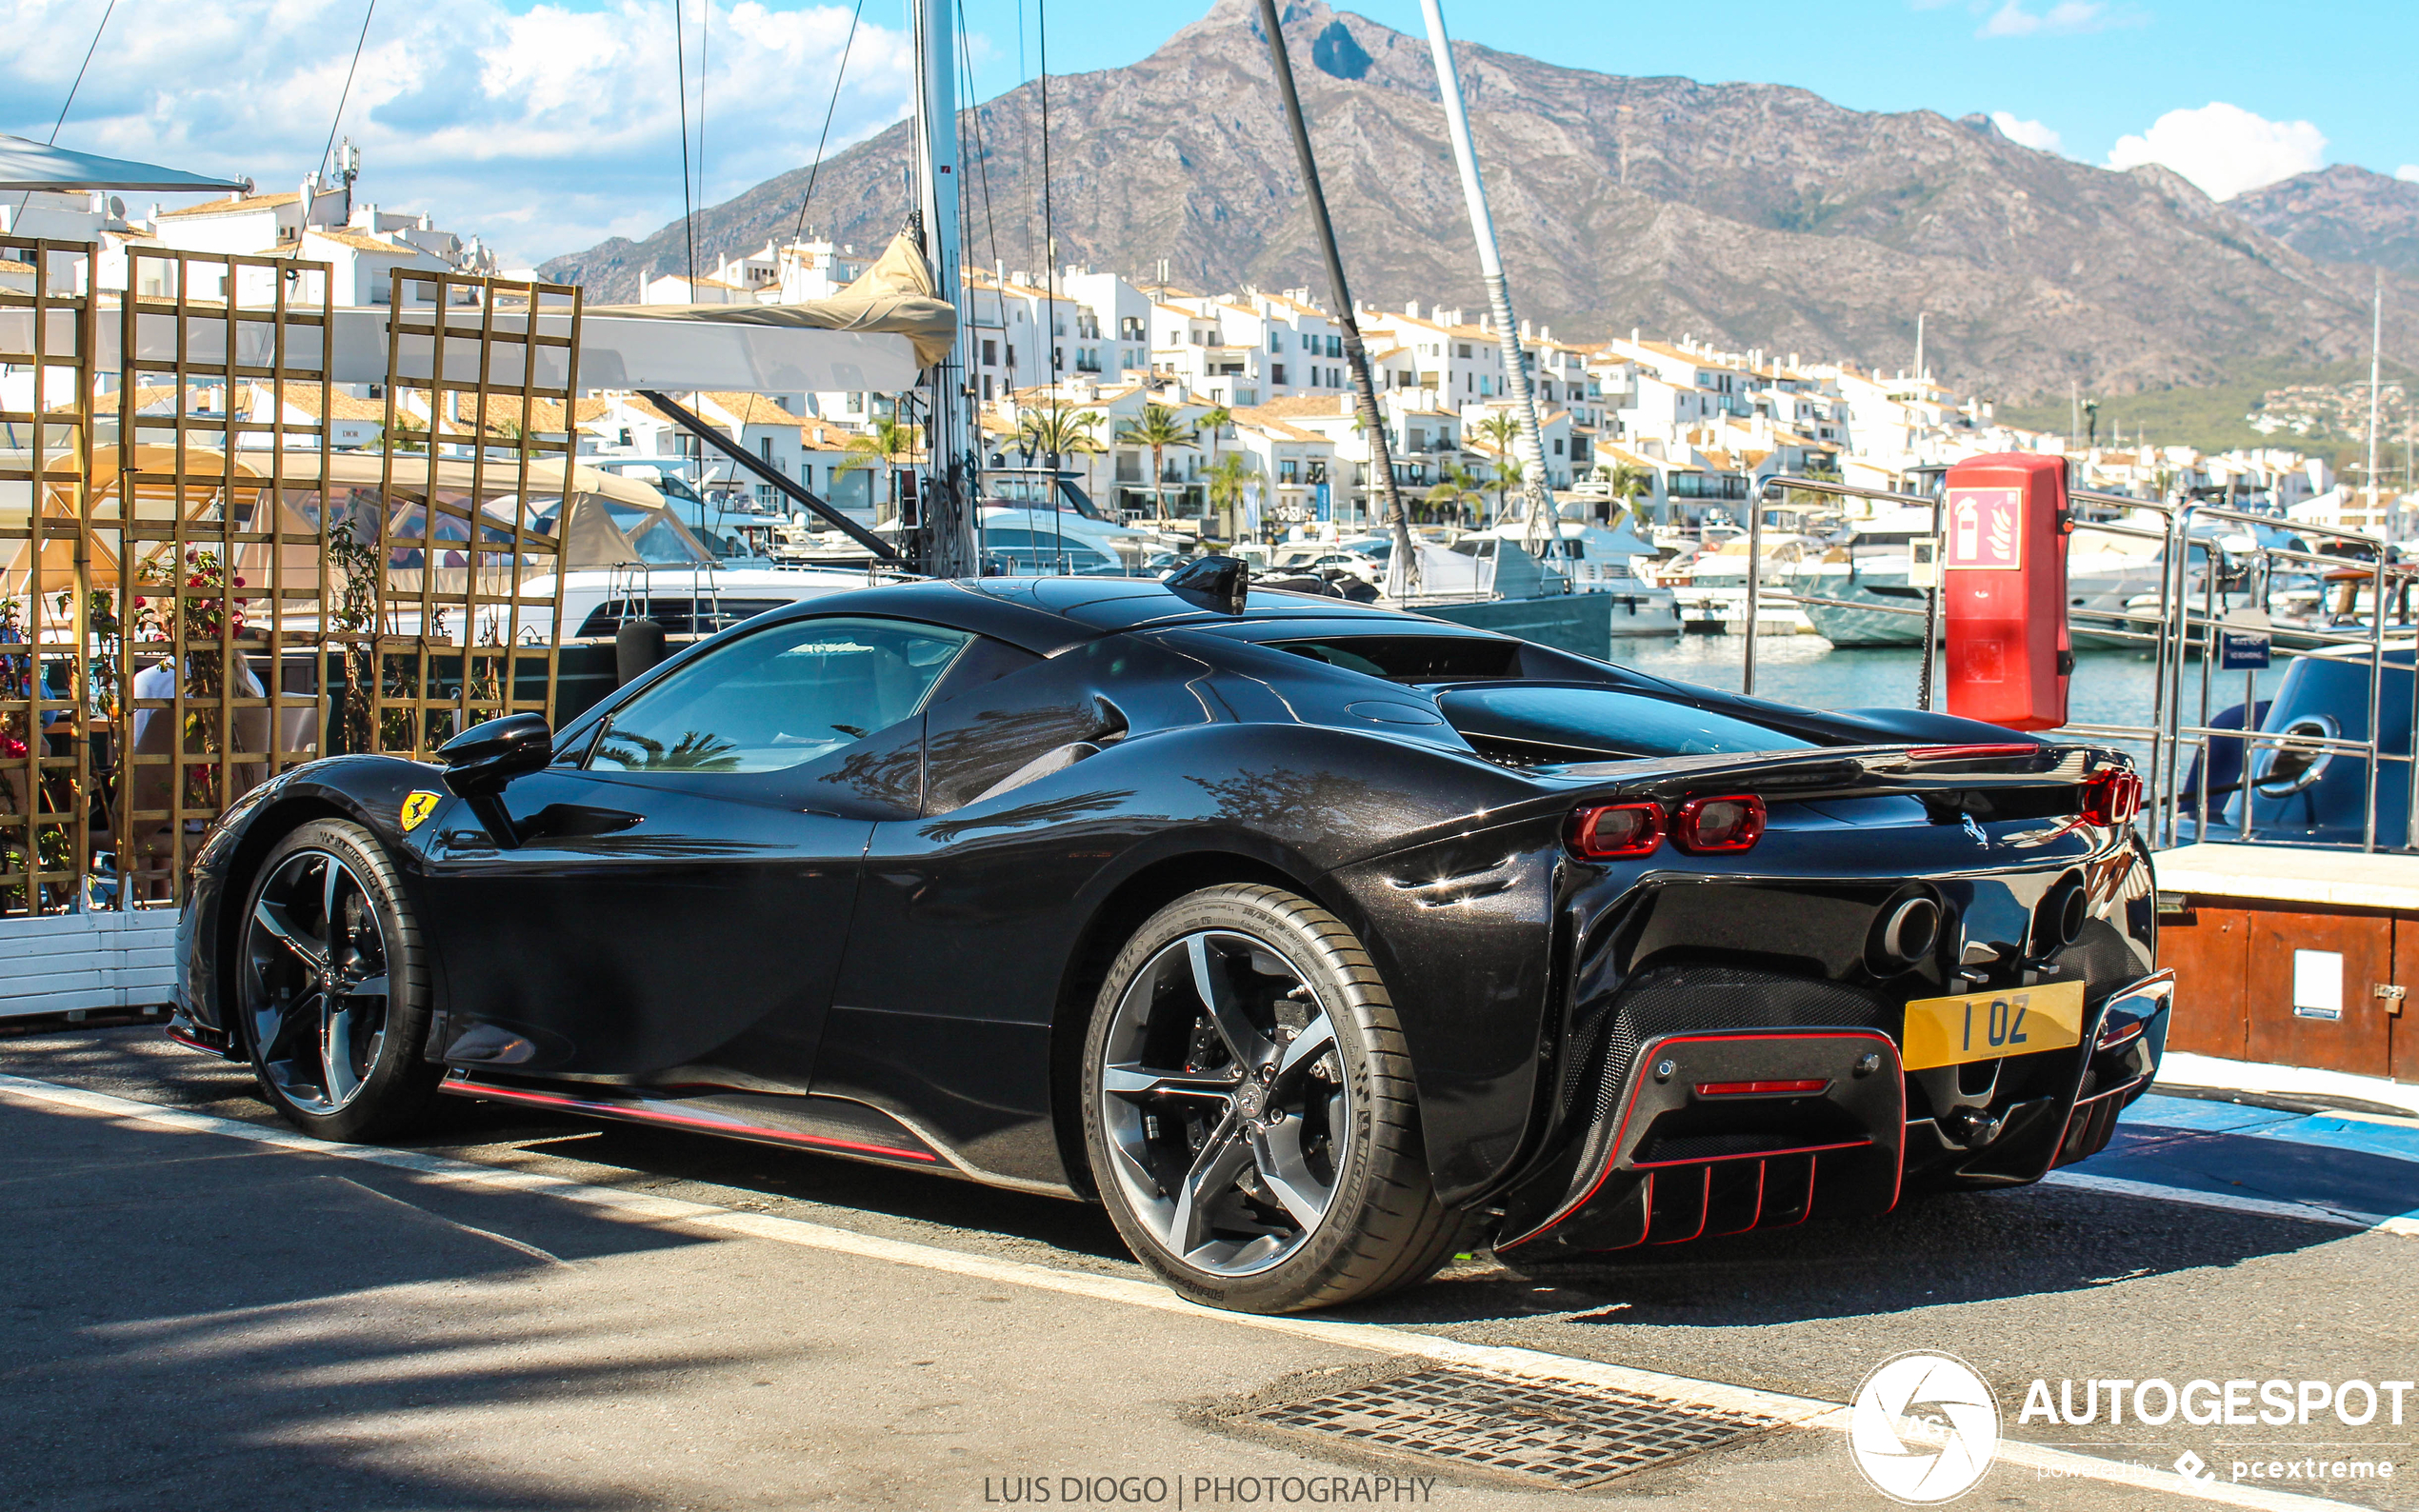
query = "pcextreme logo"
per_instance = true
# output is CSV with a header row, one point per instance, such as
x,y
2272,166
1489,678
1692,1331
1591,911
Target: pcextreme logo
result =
x,y
1923,1428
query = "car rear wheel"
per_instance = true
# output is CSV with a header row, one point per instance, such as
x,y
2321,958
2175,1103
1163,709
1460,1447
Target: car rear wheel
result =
x,y
332,986
1250,1112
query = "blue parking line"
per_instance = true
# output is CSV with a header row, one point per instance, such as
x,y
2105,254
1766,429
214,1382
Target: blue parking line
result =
x,y
2203,1115
2389,1139
2199,1144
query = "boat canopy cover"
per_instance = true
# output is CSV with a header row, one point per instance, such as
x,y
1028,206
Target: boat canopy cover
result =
x,y
33,166
897,295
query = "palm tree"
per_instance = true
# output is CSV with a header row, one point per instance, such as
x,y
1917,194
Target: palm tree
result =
x,y
1629,481
1457,487
1055,432
887,444
1511,476
1159,427
1227,481
1501,430
1216,418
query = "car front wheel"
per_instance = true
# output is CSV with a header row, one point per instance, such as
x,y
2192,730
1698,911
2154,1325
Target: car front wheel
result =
x,y
1250,1112
333,988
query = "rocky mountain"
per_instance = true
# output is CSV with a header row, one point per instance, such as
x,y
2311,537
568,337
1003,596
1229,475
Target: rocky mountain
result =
x,y
1750,214
2340,214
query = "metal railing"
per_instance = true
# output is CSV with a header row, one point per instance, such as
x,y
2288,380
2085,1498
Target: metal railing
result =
x,y
2183,624
1756,496
2258,569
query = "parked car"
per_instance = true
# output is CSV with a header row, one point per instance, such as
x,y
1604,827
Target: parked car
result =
x,y
1317,942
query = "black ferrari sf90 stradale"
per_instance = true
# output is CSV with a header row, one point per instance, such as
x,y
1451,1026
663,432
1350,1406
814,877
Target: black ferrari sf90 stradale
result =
x,y
1315,941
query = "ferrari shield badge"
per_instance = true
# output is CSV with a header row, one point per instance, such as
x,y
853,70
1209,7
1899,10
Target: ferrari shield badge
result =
x,y
417,808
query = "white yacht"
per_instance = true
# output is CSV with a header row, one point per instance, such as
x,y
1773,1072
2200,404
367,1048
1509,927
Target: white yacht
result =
x,y
1594,560
1712,590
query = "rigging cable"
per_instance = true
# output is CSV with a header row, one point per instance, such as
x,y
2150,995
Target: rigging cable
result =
x,y
983,172
816,166
1049,284
328,152
687,215
94,45
705,27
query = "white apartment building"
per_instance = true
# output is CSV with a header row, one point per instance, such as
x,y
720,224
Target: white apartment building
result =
x,y
1296,467
789,274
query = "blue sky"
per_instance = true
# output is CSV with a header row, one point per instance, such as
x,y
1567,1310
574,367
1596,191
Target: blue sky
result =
x,y
545,127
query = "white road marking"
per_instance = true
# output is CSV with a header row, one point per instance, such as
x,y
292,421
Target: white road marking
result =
x,y
506,1239
2406,1223
1783,1409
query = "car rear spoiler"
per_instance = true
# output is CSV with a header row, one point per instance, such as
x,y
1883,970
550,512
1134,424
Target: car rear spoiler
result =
x,y
1934,772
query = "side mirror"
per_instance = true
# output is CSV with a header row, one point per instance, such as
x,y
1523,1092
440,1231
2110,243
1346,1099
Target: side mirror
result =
x,y
480,760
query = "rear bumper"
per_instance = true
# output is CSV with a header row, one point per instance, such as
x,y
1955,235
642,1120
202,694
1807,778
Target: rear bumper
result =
x,y
1710,1132
1723,1132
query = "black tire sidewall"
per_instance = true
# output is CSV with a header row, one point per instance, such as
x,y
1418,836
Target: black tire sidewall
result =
x,y
1283,922
398,1088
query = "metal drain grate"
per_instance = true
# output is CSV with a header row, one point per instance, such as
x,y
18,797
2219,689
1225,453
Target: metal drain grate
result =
x,y
1570,1435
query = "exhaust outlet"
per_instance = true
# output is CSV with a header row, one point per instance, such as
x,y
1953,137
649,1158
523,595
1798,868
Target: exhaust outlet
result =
x,y
2058,923
1904,934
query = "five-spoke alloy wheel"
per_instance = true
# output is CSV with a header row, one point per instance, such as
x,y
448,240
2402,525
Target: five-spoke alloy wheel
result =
x,y
331,985
1249,1111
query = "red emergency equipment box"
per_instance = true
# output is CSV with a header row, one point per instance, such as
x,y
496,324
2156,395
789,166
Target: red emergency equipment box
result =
x,y
2003,560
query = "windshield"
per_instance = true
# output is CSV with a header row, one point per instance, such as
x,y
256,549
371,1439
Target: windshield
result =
x,y
780,698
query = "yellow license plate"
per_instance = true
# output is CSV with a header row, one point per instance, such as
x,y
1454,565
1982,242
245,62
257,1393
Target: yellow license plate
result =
x,y
1986,1026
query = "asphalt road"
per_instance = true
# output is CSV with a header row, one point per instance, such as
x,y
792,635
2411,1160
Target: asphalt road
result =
x,y
202,1317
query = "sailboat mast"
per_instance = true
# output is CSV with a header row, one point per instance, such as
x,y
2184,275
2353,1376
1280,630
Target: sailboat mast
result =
x,y
951,440
2376,385
1402,572
1491,268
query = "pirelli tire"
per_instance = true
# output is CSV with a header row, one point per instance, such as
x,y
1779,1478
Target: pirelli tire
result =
x,y
1249,1114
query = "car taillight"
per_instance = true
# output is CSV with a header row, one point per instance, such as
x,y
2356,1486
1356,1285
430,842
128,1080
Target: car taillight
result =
x,y
1711,824
1616,830
2118,1031
1807,1087
1959,753
2111,799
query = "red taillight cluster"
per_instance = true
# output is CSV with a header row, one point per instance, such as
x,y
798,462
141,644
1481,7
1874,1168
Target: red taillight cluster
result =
x,y
1806,1087
2112,798
1961,753
1701,827
1617,830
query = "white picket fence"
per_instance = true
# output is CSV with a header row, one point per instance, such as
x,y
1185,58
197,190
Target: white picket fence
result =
x,y
84,962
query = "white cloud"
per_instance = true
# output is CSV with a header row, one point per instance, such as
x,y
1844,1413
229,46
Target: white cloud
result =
x,y
2408,172
540,126
2063,18
2027,133
2224,149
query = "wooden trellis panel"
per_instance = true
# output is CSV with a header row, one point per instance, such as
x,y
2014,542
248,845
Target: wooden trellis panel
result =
x,y
217,524
46,334
482,371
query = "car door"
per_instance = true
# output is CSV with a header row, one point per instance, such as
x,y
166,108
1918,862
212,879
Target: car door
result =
x,y
677,899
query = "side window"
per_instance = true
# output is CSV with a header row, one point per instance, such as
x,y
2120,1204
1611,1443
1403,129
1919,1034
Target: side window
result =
x,y
781,698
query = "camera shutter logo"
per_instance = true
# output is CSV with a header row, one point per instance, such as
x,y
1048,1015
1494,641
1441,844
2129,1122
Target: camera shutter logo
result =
x,y
1923,1428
